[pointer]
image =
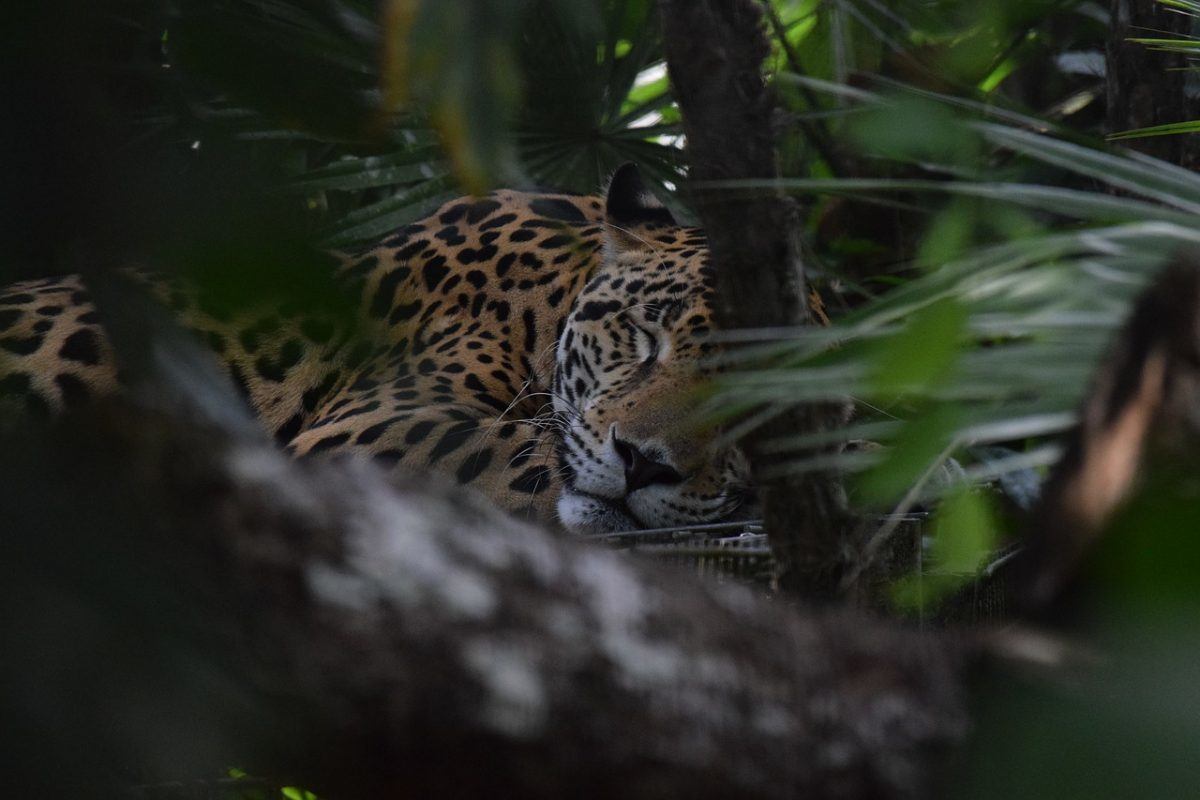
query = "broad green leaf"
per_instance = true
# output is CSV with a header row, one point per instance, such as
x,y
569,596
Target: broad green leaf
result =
x,y
922,446
923,351
965,534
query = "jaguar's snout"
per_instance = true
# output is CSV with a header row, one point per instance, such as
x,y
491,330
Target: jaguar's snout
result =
x,y
642,470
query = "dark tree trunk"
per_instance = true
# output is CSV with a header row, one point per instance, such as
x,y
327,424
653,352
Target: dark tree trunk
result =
x,y
1146,87
715,51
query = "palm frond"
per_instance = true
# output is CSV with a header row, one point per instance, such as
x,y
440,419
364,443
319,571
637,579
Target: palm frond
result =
x,y
1008,332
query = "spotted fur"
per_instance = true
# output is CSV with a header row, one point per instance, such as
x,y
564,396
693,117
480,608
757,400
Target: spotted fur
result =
x,y
541,347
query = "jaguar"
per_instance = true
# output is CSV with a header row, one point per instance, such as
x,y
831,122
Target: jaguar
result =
x,y
545,348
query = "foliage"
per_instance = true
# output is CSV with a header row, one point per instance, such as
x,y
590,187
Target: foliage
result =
x,y
975,262
1004,333
429,99
985,329
975,241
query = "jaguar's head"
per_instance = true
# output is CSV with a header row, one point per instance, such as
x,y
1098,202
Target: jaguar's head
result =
x,y
631,361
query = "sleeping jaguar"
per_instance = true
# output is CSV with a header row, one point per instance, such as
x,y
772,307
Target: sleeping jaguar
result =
x,y
543,348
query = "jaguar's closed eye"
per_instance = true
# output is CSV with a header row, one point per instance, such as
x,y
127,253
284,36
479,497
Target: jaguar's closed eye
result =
x,y
648,347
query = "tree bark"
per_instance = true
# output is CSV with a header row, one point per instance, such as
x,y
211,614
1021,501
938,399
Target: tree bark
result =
x,y
715,51
190,600
1138,430
1147,87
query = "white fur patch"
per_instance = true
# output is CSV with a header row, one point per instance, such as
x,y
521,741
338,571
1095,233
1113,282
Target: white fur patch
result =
x,y
580,513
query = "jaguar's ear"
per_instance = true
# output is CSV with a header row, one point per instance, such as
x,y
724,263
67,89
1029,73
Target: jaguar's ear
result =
x,y
629,202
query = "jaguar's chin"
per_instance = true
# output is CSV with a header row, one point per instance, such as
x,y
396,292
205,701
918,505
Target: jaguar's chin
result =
x,y
584,513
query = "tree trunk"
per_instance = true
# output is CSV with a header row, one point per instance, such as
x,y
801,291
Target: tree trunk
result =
x,y
715,51
1147,87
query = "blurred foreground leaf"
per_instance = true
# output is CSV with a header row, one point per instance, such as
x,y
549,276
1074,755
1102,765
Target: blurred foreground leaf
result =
x,y
965,533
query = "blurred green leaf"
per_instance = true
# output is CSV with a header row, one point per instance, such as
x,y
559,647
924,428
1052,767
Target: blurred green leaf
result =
x,y
965,533
923,351
1131,171
950,234
295,793
456,60
919,447
912,128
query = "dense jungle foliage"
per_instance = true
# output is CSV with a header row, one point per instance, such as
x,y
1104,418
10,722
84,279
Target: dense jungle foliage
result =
x,y
976,228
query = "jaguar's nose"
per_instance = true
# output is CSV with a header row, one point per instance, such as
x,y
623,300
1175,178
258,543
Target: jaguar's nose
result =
x,y
641,471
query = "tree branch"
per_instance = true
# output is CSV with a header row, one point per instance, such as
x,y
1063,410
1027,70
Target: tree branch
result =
x,y
1137,431
307,622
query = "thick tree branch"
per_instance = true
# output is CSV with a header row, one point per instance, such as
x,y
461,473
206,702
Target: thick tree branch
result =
x,y
309,623
715,51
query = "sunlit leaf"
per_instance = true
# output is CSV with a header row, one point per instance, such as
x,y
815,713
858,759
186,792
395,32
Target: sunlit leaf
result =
x,y
296,793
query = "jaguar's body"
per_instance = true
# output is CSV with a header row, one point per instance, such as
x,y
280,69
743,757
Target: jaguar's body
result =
x,y
539,347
